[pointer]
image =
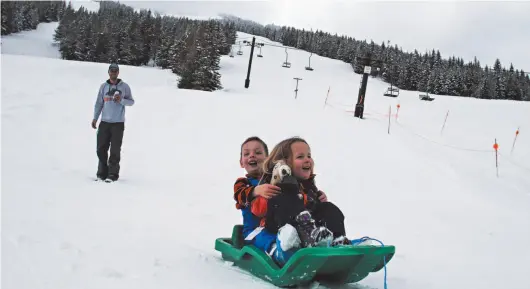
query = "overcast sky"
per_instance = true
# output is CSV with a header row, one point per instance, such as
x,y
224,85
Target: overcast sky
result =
x,y
487,30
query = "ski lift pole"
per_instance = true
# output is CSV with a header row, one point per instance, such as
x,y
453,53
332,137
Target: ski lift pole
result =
x,y
247,81
327,95
446,115
366,63
296,90
359,107
389,115
496,147
515,139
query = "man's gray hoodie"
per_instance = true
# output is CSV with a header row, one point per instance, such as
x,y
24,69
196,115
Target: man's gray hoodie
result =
x,y
110,110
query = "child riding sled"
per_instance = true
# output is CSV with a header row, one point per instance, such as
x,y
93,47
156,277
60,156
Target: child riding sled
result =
x,y
282,216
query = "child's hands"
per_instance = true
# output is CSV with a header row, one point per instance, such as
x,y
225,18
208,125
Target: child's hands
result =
x,y
267,191
323,198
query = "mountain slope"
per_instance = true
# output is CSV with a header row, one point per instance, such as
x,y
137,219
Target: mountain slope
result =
x,y
434,196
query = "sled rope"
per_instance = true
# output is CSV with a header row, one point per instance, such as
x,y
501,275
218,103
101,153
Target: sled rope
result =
x,y
384,257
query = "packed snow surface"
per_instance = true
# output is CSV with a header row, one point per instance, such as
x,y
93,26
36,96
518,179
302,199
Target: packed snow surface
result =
x,y
433,194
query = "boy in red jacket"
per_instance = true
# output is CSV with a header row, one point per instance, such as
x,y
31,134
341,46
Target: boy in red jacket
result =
x,y
278,246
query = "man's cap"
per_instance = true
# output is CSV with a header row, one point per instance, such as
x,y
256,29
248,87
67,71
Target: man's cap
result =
x,y
114,66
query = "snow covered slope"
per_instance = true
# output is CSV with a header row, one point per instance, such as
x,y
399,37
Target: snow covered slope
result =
x,y
434,196
39,42
32,42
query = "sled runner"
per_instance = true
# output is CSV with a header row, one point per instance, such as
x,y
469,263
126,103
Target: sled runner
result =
x,y
336,265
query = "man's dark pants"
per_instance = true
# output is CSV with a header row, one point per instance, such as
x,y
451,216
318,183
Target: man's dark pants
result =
x,y
109,135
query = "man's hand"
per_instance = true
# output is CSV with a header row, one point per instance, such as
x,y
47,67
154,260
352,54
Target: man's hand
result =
x,y
323,198
94,124
267,191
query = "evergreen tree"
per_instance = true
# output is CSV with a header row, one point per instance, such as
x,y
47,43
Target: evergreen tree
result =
x,y
201,71
511,85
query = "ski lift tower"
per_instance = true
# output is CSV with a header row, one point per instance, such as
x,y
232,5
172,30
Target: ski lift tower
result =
x,y
247,81
367,63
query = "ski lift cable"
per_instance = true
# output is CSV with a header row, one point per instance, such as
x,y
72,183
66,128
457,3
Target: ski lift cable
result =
x,y
280,46
268,44
243,38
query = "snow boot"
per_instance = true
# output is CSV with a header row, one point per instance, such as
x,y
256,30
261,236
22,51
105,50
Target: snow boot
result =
x,y
310,234
287,243
99,179
340,241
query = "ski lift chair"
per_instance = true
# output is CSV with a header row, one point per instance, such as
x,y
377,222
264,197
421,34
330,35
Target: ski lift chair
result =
x,y
426,97
309,67
392,92
260,45
286,64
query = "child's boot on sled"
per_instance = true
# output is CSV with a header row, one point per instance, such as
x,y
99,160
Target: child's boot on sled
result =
x,y
287,243
310,234
340,241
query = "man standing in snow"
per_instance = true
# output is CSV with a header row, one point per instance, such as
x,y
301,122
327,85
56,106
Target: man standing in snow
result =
x,y
114,94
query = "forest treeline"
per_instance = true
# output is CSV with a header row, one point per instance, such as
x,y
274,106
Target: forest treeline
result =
x,y
192,48
426,72
20,16
117,33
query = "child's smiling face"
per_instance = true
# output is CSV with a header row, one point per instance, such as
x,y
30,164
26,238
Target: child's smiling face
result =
x,y
301,161
252,157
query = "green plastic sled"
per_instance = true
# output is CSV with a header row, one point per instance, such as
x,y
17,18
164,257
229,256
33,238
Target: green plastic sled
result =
x,y
337,265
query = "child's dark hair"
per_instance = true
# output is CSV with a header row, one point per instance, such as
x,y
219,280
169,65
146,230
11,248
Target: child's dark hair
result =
x,y
254,138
